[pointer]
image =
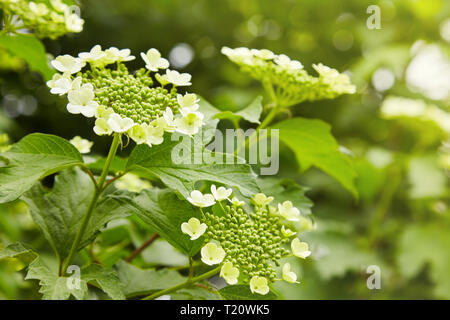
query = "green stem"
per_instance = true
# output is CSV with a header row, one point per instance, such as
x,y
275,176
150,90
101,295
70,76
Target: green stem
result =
x,y
98,191
267,120
190,281
191,267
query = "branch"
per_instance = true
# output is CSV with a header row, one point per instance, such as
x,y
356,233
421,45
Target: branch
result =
x,y
147,243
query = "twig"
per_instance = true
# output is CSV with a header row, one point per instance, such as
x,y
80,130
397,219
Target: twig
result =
x,y
147,243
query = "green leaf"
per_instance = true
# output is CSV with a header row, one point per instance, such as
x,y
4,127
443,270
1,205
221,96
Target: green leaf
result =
x,y
242,292
60,211
29,49
138,282
107,280
163,254
53,287
251,113
117,165
165,213
424,244
35,156
180,175
196,293
313,145
20,252
208,129
286,189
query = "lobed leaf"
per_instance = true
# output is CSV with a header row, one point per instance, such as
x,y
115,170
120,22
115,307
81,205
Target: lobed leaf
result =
x,y
29,49
59,212
313,145
138,282
35,156
165,213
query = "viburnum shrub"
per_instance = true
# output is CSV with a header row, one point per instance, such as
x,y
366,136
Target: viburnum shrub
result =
x,y
226,221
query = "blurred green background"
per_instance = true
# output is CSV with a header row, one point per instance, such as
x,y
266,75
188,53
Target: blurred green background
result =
x,y
401,220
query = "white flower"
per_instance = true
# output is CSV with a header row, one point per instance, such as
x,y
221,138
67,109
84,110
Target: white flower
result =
x,y
102,127
178,79
62,84
229,273
286,63
289,275
300,249
113,54
74,23
306,224
238,55
96,54
236,202
201,200
260,199
38,9
103,112
138,133
288,211
153,60
287,232
119,124
132,183
82,145
155,134
58,5
169,122
190,123
263,54
82,101
59,84
193,228
337,81
221,193
212,254
259,285
188,102
68,64
324,70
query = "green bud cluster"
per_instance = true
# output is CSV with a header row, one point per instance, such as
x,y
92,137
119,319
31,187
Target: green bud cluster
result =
x,y
291,88
46,20
252,241
285,80
132,96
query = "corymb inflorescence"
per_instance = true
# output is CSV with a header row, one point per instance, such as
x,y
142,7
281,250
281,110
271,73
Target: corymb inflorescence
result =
x,y
248,244
285,80
142,105
45,19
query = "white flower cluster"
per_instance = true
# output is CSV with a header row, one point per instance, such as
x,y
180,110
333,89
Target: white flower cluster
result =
x,y
255,57
132,113
397,107
51,20
212,253
286,80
